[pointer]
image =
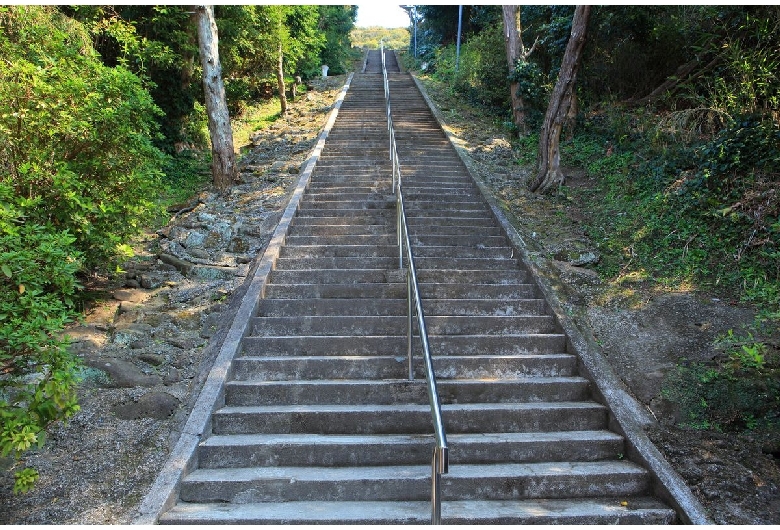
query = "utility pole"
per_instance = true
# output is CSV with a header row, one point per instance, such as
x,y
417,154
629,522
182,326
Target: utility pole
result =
x,y
457,46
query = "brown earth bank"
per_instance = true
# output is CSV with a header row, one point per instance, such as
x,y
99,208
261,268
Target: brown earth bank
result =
x,y
148,343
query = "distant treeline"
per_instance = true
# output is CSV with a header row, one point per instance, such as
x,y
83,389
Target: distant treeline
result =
x,y
395,38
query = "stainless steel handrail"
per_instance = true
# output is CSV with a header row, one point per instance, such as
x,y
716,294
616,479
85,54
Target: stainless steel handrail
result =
x,y
440,460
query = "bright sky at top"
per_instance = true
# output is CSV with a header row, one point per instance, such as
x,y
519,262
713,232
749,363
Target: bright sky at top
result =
x,y
381,14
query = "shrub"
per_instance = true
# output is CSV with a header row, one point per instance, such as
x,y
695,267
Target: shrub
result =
x,y
37,288
75,136
78,175
739,389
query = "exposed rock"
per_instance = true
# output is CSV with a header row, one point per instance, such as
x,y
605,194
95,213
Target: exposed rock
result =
x,y
152,358
180,264
123,373
130,295
157,405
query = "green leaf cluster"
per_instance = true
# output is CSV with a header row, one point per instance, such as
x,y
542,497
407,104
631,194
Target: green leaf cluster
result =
x,y
739,389
79,174
75,135
37,294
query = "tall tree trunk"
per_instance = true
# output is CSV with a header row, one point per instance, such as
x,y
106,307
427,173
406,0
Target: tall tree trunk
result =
x,y
549,170
514,51
280,80
223,165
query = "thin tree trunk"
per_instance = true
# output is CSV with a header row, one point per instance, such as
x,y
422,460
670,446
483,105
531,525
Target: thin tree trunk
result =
x,y
223,165
514,51
280,81
549,167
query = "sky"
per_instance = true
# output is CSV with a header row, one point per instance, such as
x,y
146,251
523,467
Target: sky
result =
x,y
381,14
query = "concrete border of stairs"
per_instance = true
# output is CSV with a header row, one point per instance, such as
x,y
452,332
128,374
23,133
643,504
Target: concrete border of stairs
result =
x,y
627,416
165,489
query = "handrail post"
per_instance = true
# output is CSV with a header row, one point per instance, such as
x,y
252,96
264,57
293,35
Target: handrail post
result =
x,y
436,471
409,352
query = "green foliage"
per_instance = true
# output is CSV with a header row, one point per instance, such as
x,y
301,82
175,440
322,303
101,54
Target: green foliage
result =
x,y
75,136
337,22
703,214
482,72
739,389
79,174
37,290
158,44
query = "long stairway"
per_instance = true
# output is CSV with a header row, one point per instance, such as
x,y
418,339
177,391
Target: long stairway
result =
x,y
320,423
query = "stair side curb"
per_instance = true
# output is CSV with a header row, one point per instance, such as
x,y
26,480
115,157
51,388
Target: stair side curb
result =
x,y
164,491
628,413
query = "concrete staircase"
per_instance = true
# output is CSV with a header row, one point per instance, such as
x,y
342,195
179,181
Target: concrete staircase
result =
x,y
321,425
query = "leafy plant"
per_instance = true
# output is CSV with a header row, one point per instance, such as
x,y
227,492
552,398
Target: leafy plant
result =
x,y
37,291
75,136
739,389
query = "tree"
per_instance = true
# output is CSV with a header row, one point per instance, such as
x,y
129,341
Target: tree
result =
x,y
223,165
516,51
561,103
336,22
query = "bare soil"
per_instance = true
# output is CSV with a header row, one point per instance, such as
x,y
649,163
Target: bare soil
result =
x,y
149,353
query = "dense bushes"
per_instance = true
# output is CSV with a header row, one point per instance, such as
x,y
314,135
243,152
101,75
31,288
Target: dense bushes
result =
x,y
75,136
78,175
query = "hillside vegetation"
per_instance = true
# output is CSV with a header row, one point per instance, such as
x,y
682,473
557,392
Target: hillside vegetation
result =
x,y
393,38
677,127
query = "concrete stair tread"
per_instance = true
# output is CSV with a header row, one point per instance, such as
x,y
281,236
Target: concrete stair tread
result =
x,y
405,407
638,510
530,379
422,472
357,440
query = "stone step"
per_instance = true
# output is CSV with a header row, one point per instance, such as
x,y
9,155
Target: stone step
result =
x,y
390,263
329,262
345,213
574,511
391,483
388,392
467,264
416,222
381,240
341,366
421,239
378,204
324,306
244,450
516,354
336,290
318,250
505,291
340,276
363,325
362,218
475,251
410,419
323,196
393,275
355,229
379,307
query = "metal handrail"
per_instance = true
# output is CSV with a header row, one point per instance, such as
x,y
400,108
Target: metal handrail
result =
x,y
440,460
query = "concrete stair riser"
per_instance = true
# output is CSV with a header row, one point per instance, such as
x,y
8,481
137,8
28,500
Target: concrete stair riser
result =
x,y
308,366
416,419
574,511
408,483
246,450
388,392
505,348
